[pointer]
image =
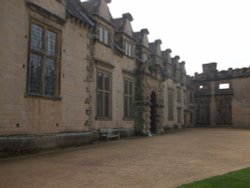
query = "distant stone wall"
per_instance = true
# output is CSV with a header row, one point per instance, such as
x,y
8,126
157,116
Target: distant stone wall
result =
x,y
241,102
226,96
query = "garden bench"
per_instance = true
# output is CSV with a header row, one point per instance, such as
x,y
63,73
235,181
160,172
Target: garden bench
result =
x,y
109,133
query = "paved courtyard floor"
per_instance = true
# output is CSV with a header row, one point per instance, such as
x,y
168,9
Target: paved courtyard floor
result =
x,y
144,162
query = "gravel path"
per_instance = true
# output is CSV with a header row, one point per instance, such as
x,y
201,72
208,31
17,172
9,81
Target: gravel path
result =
x,y
142,162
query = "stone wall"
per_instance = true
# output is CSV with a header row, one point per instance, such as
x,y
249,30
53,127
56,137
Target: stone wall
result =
x,y
22,114
227,95
58,120
241,102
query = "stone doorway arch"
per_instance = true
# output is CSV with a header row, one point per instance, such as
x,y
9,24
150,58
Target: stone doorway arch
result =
x,y
153,113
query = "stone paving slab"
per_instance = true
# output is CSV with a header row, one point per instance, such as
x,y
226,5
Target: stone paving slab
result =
x,y
143,162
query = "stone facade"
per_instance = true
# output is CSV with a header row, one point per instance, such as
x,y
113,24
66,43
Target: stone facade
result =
x,y
222,97
68,68
40,118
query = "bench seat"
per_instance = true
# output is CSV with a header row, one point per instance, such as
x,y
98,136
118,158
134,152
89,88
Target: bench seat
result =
x,y
109,133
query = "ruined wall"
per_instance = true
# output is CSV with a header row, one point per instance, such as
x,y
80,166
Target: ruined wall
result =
x,y
241,103
226,94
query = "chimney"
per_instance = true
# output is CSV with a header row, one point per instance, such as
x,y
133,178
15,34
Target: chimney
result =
x,y
209,67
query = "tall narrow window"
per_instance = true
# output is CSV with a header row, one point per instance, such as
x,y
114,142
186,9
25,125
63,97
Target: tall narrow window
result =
x,y
44,56
103,95
128,48
101,34
179,98
203,111
185,98
179,115
128,99
224,109
170,105
104,35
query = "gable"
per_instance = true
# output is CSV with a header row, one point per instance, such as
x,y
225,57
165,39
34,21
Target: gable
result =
x,y
145,40
104,11
128,28
158,49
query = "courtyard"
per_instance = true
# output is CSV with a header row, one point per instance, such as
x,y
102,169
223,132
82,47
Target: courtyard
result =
x,y
163,161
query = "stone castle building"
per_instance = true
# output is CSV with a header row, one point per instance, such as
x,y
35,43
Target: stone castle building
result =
x,y
69,68
222,98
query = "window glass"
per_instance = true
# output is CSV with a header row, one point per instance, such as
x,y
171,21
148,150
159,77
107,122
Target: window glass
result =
x,y
35,74
105,36
125,87
101,34
170,105
128,98
106,112
106,78
50,77
36,37
103,95
52,43
100,104
100,81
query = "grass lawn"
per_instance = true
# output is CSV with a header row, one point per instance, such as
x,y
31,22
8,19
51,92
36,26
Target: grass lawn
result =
x,y
237,179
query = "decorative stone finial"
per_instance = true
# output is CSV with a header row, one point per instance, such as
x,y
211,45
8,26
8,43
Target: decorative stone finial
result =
x,y
128,16
158,41
177,57
168,50
145,31
108,1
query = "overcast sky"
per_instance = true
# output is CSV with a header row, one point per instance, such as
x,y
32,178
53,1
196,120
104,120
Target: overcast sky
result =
x,y
199,31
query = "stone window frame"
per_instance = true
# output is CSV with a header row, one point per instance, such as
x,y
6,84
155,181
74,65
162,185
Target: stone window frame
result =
x,y
103,114
128,113
44,54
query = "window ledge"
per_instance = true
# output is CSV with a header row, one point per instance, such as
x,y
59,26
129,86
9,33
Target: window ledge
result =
x,y
130,57
104,44
104,118
128,119
43,97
